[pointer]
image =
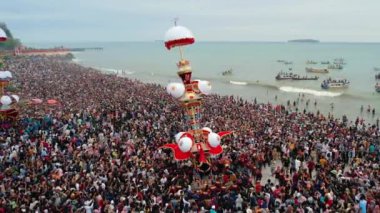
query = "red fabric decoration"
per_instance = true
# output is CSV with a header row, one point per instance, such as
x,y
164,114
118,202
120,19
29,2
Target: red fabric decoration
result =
x,y
215,150
202,156
224,133
179,42
178,154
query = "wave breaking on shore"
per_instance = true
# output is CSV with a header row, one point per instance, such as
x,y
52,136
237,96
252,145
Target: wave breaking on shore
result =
x,y
310,91
117,71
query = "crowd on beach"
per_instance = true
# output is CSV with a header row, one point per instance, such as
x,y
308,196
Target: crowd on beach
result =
x,y
98,151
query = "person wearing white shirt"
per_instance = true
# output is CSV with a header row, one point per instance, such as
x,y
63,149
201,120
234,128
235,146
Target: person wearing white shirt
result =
x,y
89,206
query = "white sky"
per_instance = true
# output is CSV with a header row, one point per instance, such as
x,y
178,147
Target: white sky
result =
x,y
210,20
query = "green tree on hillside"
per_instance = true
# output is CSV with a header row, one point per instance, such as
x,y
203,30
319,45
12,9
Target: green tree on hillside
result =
x,y
11,42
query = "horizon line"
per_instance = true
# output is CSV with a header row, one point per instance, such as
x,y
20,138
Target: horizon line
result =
x,y
209,41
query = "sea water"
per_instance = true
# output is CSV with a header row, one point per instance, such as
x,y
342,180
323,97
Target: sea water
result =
x,y
255,64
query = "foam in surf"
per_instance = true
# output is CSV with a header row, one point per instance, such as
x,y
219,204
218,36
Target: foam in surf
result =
x,y
310,91
239,83
125,72
76,60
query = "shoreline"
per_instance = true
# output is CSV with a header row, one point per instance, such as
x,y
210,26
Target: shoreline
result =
x,y
300,101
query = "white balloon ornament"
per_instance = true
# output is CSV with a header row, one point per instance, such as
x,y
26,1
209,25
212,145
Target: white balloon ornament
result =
x,y
5,100
176,89
8,74
3,75
3,35
16,97
214,139
204,87
178,136
185,144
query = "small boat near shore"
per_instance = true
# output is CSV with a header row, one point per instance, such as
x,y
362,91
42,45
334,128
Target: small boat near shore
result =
x,y
376,69
311,62
242,83
284,61
335,83
377,77
339,61
377,87
227,72
292,76
316,70
335,67
325,62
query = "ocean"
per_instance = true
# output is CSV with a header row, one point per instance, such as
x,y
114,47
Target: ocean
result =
x,y
255,64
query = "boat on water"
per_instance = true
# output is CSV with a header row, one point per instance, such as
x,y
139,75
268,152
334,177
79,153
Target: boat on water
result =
x,y
335,66
335,83
316,70
376,68
238,83
311,62
284,61
227,72
291,76
325,62
339,61
377,87
377,77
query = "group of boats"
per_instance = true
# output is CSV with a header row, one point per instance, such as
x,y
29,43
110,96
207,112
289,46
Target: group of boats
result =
x,y
326,84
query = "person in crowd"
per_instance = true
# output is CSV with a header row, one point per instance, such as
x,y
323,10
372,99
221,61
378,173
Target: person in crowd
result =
x,y
97,150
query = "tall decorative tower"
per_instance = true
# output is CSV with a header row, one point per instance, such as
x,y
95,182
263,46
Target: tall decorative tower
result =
x,y
7,100
196,143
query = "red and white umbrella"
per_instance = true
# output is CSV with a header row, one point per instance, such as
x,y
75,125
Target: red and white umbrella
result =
x,y
3,35
178,36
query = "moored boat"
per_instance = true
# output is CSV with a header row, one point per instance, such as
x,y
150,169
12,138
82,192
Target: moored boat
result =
x,y
376,68
284,76
377,77
227,72
316,70
377,87
325,62
306,78
335,66
339,61
335,83
292,76
311,62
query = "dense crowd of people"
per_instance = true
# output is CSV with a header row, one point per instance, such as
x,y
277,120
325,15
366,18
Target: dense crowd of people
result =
x,y
98,151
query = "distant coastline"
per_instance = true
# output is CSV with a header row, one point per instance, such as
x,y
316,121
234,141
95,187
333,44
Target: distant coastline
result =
x,y
304,41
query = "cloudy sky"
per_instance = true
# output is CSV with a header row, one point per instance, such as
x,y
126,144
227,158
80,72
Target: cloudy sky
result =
x,y
210,20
